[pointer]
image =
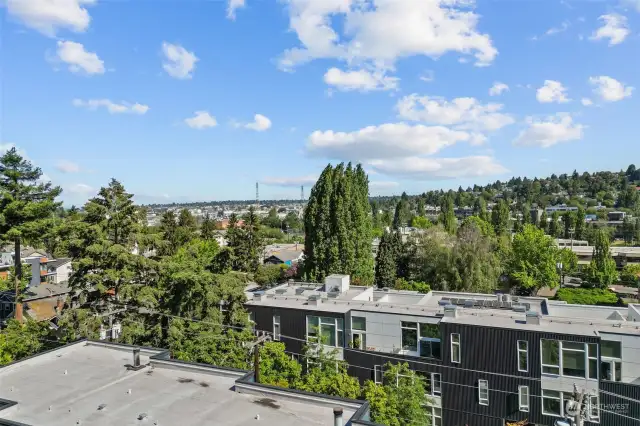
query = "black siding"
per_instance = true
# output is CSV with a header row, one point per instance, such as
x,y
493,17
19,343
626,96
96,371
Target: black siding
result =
x,y
619,411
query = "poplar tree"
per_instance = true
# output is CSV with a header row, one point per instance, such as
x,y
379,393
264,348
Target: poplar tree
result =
x,y
386,262
580,224
337,224
501,217
480,209
26,206
602,269
447,215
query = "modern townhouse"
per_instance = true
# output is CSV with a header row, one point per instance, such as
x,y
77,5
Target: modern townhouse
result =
x,y
487,359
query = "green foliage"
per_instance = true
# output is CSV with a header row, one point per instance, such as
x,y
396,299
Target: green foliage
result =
x,y
533,260
26,205
601,272
631,274
246,242
447,215
277,368
9,283
420,287
387,259
402,215
580,224
554,225
569,261
338,226
501,218
400,401
480,209
482,225
569,222
587,296
18,340
268,275
77,324
208,228
272,220
421,222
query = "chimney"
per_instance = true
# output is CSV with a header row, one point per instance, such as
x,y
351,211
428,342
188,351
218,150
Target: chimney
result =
x,y
450,311
18,313
533,318
59,305
337,416
136,357
315,300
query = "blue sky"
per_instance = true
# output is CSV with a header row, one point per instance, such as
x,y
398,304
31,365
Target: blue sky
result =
x,y
198,100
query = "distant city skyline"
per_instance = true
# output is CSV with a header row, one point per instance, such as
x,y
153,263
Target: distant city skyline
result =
x,y
198,101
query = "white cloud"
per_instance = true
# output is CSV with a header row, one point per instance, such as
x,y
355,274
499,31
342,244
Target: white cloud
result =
x,y
260,123
383,185
361,80
498,88
383,31
465,113
552,91
439,168
391,140
291,181
428,76
112,107
80,189
78,59
232,6
49,16
67,166
609,89
632,3
179,62
201,120
586,102
550,131
557,30
615,28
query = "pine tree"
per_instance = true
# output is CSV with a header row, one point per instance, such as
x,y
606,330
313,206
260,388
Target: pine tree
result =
x,y
207,229
602,269
554,225
337,225
580,224
447,215
26,206
386,262
402,213
569,221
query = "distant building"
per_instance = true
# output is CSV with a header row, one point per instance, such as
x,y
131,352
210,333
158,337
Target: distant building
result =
x,y
287,254
560,208
616,216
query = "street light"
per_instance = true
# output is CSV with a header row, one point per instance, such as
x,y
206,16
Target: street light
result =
x,y
559,265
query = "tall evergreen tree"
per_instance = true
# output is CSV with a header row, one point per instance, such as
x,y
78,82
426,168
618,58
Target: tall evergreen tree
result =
x,y
208,227
480,208
602,269
544,222
580,224
337,225
569,222
420,207
501,218
554,225
26,206
447,215
403,212
386,261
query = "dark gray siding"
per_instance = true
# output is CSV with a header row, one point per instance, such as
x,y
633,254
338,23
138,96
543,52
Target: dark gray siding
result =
x,y
358,359
619,411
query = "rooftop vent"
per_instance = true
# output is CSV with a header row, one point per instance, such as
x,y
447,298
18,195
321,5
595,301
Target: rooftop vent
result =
x,y
259,296
519,308
333,294
443,302
281,291
469,303
315,300
533,318
450,311
299,290
386,289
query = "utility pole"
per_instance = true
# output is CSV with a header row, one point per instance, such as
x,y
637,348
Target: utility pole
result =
x,y
256,355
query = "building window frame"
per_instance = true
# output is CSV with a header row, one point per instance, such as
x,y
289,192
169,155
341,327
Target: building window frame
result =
x,y
558,398
594,409
436,416
315,332
613,364
359,335
276,327
432,383
406,329
483,387
524,399
456,350
523,354
378,374
562,349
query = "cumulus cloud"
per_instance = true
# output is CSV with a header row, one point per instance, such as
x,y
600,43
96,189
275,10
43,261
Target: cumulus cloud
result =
x,y
291,181
232,6
586,102
201,120
632,3
179,62
609,89
78,59
260,123
392,140
65,166
385,31
49,16
550,131
112,107
552,91
80,189
498,88
464,113
360,80
614,28
439,168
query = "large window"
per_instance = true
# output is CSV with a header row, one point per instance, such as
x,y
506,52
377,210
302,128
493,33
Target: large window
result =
x,y
455,347
594,408
483,392
326,330
436,416
523,398
276,327
377,374
409,336
570,359
611,361
551,403
358,332
523,355
554,403
432,383
429,340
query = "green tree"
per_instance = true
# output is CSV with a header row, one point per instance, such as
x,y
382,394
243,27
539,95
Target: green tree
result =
x,y
277,368
26,206
501,218
20,340
79,323
601,272
533,260
272,220
248,244
581,223
170,235
338,225
421,222
402,214
268,275
400,401
386,261
569,261
447,215
208,228
480,209
544,222
485,227
569,222
554,225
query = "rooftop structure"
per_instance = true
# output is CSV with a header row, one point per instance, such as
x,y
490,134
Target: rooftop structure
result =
x,y
94,383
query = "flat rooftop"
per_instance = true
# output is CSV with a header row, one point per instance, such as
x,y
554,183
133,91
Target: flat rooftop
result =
x,y
72,383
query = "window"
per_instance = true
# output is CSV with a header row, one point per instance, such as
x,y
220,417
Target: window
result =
x,y
326,330
429,336
551,403
594,410
573,359
611,349
436,384
409,336
523,355
358,330
252,320
455,347
523,398
432,383
550,356
377,374
611,361
436,416
276,327
592,359
483,392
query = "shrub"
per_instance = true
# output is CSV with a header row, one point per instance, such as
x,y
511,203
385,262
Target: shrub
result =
x,y
587,296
